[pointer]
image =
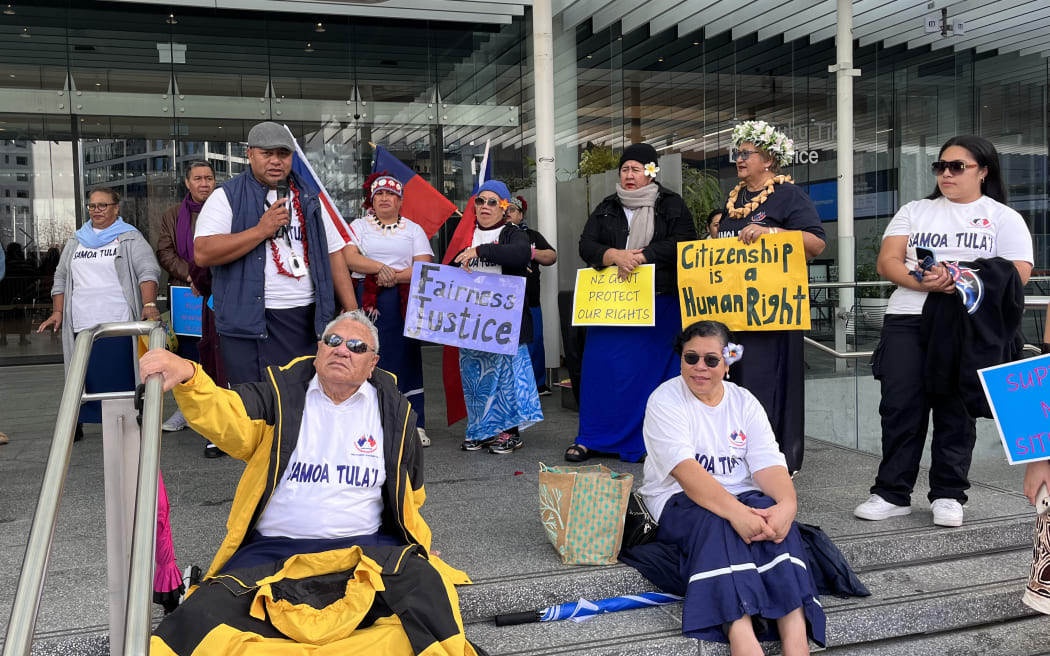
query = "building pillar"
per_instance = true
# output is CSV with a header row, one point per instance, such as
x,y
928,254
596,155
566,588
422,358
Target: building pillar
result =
x,y
844,74
546,192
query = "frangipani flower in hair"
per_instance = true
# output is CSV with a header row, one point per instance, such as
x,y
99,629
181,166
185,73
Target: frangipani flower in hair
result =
x,y
651,169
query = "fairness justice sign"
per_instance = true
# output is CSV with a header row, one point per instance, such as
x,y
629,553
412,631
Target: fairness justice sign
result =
x,y
1019,395
763,285
479,311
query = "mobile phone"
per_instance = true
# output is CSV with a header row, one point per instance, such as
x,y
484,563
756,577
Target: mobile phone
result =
x,y
926,262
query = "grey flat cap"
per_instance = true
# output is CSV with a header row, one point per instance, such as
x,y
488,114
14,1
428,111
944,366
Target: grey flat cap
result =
x,y
270,135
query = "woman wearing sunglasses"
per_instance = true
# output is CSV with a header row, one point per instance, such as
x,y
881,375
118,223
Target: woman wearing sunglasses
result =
x,y
641,223
766,202
499,390
719,487
384,246
965,218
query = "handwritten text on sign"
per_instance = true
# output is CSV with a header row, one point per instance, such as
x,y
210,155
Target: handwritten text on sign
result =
x,y
1019,394
759,286
479,311
185,312
602,298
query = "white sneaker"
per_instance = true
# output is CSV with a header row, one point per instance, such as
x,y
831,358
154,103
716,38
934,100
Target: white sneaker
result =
x,y
947,512
877,508
423,439
175,422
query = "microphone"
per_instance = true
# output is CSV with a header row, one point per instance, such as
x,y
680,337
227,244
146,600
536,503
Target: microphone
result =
x,y
283,192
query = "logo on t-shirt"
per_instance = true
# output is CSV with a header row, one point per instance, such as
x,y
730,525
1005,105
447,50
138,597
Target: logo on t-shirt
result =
x,y
365,444
738,438
980,222
758,217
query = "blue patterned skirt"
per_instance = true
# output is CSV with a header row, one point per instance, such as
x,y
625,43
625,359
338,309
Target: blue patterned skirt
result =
x,y
500,392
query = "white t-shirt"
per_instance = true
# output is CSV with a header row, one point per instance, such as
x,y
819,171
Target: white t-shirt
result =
x,y
485,237
394,248
281,291
629,213
731,440
333,485
97,296
959,232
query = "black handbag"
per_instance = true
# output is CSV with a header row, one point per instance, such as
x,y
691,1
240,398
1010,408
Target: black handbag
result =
x,y
639,527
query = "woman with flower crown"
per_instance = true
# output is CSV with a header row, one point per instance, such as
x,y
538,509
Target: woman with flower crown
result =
x,y
641,223
766,202
384,245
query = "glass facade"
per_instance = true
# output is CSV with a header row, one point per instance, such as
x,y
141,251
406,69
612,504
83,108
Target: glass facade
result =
x,y
124,95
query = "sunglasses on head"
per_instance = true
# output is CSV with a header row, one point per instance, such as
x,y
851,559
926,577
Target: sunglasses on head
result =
x,y
956,167
711,360
491,202
353,345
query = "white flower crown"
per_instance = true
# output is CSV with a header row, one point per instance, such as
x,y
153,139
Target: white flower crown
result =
x,y
766,137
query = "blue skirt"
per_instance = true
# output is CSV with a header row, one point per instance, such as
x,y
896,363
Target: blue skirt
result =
x,y
500,392
398,354
111,368
621,368
727,578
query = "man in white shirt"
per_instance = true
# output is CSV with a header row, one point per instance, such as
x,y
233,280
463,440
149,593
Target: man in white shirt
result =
x,y
333,483
277,268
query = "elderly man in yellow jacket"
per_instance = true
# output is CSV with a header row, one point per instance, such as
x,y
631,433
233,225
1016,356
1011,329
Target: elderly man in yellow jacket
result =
x,y
325,550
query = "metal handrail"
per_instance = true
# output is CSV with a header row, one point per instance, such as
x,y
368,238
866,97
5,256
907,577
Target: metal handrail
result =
x,y
26,604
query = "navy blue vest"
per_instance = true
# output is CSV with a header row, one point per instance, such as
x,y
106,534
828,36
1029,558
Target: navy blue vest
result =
x,y
239,286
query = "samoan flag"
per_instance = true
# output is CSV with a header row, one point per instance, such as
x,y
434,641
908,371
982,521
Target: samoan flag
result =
x,y
455,404
421,202
303,171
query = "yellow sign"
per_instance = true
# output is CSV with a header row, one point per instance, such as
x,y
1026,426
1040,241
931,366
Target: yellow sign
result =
x,y
602,298
763,285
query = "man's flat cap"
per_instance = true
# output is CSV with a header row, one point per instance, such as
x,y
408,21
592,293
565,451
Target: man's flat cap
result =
x,y
269,135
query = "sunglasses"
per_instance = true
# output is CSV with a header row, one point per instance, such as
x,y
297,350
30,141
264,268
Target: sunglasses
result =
x,y
956,167
491,202
352,345
711,360
742,154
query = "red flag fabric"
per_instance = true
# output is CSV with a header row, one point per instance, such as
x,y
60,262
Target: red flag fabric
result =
x,y
421,203
463,235
455,404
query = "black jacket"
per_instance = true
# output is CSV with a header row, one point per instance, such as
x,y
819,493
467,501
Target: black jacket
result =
x,y
961,337
607,228
512,252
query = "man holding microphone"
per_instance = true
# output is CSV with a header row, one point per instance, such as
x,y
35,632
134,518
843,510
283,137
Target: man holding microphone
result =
x,y
278,274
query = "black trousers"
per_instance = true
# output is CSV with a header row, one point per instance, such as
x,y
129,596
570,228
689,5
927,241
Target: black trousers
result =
x,y
905,410
290,334
773,369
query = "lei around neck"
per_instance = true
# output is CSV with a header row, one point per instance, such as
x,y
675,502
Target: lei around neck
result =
x,y
740,212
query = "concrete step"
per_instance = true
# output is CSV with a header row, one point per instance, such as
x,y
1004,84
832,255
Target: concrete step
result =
x,y
878,548
1029,636
908,603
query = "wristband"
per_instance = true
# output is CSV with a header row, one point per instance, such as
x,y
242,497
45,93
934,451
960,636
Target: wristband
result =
x,y
772,231
150,304
533,253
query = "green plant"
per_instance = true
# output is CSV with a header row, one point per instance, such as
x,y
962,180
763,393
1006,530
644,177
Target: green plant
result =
x,y
528,179
701,193
598,159
866,269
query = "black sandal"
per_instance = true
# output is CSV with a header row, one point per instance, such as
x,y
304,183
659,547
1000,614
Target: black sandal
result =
x,y
577,453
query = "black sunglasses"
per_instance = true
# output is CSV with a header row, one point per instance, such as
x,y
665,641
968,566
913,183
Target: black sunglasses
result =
x,y
710,359
353,345
491,202
956,167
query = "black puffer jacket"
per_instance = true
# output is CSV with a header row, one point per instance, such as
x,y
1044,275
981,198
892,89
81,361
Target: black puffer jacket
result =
x,y
607,228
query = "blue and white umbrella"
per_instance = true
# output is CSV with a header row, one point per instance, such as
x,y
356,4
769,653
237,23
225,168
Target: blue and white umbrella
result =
x,y
577,611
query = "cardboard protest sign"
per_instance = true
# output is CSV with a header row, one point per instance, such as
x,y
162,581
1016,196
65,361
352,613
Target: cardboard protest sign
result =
x,y
763,285
479,311
1019,394
602,298
185,312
